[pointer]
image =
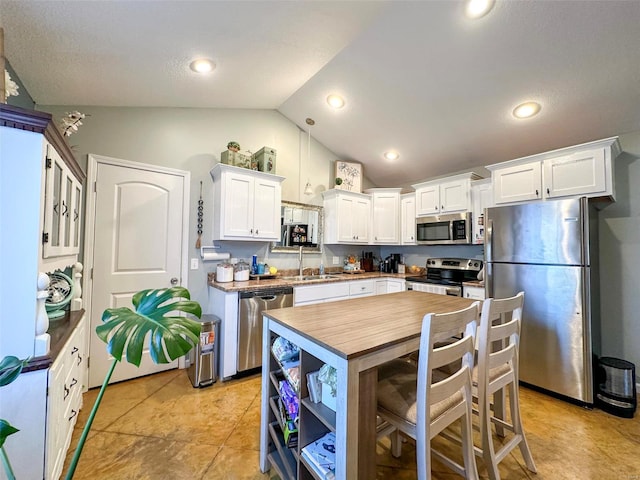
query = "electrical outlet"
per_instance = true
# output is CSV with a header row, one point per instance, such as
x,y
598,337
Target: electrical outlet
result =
x,y
336,260
194,264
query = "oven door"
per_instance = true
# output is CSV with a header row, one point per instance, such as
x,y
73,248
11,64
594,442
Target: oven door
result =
x,y
451,290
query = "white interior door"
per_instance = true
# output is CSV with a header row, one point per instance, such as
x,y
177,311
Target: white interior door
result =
x,y
138,244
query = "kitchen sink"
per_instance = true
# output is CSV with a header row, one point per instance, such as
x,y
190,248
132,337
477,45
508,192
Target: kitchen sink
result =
x,y
306,278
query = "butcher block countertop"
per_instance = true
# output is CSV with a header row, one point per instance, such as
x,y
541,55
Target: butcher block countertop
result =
x,y
355,327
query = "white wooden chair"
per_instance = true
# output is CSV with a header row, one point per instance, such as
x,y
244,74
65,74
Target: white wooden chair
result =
x,y
497,370
420,402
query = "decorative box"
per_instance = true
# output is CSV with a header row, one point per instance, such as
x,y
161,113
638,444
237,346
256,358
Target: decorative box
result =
x,y
327,399
236,159
266,158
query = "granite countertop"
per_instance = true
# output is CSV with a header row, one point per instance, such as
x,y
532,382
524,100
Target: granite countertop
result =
x,y
278,281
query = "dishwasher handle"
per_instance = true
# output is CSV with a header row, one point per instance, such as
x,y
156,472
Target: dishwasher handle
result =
x,y
266,292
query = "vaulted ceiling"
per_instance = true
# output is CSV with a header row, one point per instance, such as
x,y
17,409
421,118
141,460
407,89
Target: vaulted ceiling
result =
x,y
418,77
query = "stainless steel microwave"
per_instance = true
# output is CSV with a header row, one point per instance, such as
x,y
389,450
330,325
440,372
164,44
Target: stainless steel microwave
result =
x,y
447,229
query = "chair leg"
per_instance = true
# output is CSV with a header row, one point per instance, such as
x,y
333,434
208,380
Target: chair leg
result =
x,y
468,453
488,452
396,443
499,410
518,429
423,458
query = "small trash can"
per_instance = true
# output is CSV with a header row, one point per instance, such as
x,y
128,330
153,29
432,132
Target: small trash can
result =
x,y
203,358
616,387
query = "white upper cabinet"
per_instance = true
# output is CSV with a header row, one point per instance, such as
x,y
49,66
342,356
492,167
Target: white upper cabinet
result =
x,y
62,207
385,219
481,198
246,204
581,170
446,195
576,174
347,217
517,183
408,219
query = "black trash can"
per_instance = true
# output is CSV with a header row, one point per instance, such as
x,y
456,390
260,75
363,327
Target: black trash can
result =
x,y
616,387
203,358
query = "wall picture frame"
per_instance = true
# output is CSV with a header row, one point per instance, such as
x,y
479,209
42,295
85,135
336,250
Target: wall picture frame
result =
x,y
351,175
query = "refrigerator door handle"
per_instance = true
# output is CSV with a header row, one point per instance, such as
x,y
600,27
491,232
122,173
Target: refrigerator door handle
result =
x,y
489,241
488,265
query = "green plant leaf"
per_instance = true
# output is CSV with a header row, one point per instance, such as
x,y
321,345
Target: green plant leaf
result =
x,y
10,369
5,430
126,330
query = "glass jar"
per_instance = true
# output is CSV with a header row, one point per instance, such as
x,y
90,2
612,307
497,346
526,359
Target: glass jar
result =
x,y
241,271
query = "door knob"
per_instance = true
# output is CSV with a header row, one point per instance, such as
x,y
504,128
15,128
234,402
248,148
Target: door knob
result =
x,y
174,281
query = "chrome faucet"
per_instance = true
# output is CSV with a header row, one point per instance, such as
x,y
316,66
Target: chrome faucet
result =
x,y
300,260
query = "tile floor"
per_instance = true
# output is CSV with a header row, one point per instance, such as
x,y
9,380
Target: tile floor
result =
x,y
159,427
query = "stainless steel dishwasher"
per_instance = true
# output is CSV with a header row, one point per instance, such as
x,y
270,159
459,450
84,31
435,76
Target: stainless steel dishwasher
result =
x,y
252,304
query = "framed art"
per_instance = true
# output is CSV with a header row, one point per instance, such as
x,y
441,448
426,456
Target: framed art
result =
x,y
349,176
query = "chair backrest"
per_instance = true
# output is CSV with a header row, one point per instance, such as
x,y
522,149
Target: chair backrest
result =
x,y
499,334
459,328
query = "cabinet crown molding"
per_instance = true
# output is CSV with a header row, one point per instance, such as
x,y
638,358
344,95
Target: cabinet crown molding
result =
x,y
612,143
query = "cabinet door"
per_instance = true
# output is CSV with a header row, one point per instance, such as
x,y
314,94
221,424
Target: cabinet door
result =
x,y
394,286
63,199
385,218
361,220
473,293
346,212
454,196
408,220
517,183
428,200
381,287
482,197
238,205
266,211
577,174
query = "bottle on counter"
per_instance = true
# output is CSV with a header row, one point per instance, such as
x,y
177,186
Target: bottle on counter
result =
x,y
254,264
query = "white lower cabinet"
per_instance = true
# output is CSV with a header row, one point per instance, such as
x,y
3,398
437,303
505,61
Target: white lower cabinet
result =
x,y
473,293
332,292
66,381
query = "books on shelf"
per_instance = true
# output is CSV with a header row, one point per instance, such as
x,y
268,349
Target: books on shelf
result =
x,y
314,387
321,456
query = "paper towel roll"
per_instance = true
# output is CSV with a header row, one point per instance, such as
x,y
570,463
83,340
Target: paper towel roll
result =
x,y
208,255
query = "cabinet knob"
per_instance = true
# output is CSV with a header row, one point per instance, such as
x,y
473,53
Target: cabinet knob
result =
x,y
74,350
73,414
442,207
66,392
79,359
73,382
537,194
548,192
257,233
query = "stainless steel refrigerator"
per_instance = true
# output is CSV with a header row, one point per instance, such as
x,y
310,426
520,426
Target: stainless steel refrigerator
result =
x,y
549,250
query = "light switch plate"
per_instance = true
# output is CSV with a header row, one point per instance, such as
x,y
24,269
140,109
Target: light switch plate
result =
x,y
194,264
336,260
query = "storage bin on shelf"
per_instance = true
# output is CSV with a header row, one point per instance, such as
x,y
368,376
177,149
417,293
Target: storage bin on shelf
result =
x,y
266,159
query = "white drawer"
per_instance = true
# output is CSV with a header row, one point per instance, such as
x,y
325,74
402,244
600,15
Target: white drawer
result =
x,y
362,287
318,293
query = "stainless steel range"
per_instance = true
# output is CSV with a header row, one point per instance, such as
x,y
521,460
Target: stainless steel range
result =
x,y
445,276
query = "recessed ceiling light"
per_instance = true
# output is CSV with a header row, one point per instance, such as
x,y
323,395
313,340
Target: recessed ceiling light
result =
x,y
478,8
335,101
202,65
526,110
391,155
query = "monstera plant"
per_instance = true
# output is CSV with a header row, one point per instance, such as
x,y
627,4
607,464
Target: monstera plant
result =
x,y
157,317
10,369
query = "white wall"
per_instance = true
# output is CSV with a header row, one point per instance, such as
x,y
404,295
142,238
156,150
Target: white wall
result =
x,y
192,139
619,228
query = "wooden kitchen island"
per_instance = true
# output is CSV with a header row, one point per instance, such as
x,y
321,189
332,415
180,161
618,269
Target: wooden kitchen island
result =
x,y
354,336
